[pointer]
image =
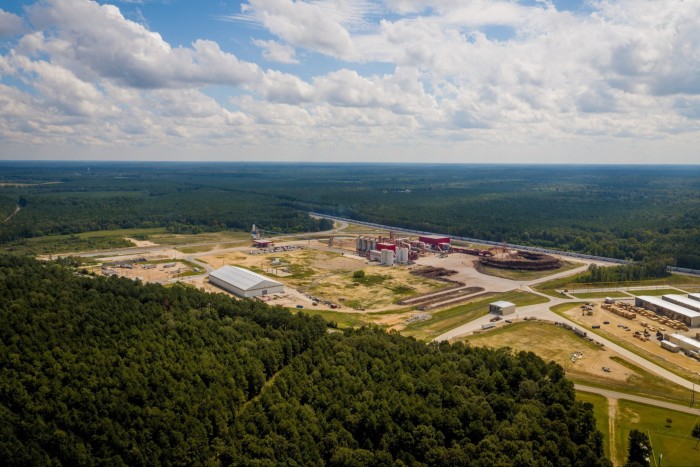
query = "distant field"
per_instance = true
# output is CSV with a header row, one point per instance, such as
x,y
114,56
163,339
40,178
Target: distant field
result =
x,y
444,320
208,237
672,439
73,243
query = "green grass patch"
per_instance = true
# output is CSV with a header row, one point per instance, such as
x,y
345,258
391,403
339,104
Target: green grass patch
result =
x,y
521,275
207,237
371,279
673,439
344,320
550,287
655,292
402,290
600,295
75,243
600,410
648,384
444,320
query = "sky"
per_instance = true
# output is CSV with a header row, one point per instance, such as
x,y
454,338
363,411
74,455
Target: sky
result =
x,y
458,81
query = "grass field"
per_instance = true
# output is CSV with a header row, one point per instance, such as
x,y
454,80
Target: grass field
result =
x,y
555,343
655,292
550,287
207,237
526,275
73,243
599,295
672,439
444,320
600,410
344,320
561,310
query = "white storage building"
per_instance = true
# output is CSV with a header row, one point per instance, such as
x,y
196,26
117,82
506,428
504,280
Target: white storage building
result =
x,y
244,283
685,343
684,301
690,317
501,307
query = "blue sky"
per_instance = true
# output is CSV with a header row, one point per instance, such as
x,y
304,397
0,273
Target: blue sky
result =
x,y
597,81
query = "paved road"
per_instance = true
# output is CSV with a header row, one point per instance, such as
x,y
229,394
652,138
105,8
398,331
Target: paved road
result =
x,y
643,400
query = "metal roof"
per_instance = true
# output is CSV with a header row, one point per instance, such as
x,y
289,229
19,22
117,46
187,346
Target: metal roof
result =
x,y
687,340
681,310
694,296
502,304
243,278
683,301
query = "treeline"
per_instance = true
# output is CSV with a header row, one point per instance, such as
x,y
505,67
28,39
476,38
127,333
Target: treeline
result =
x,y
625,273
77,206
636,213
107,371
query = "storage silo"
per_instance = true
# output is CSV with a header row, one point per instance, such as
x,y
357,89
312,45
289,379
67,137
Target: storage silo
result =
x,y
402,255
358,244
388,257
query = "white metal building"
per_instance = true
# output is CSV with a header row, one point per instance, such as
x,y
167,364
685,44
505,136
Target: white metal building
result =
x,y
684,342
683,301
501,307
690,317
694,296
243,282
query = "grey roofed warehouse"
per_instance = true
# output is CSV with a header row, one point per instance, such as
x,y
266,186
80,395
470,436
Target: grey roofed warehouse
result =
x,y
243,282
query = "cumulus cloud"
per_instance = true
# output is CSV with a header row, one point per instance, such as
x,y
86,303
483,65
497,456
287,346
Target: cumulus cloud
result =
x,y
276,52
10,24
97,41
403,72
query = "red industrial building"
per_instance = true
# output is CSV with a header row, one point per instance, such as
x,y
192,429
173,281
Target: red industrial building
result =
x,y
263,243
386,246
434,240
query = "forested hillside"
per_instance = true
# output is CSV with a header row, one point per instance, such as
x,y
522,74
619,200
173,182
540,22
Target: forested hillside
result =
x,y
107,371
637,213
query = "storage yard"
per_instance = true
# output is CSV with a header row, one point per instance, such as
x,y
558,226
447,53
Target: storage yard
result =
x,y
623,321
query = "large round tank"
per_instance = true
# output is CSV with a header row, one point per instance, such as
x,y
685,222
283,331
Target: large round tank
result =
x,y
358,244
388,257
402,255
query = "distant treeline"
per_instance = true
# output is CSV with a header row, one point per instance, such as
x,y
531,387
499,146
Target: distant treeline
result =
x,y
637,213
625,273
105,371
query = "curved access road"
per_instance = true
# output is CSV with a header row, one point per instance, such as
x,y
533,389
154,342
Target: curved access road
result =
x,y
642,400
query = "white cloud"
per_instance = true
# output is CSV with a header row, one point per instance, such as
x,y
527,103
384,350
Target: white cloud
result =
x,y
275,52
453,72
10,24
104,44
317,26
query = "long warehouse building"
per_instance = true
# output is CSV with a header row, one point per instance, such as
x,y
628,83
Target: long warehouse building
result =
x,y
243,282
683,301
690,317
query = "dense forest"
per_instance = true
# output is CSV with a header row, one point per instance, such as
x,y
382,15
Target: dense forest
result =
x,y
629,212
106,371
